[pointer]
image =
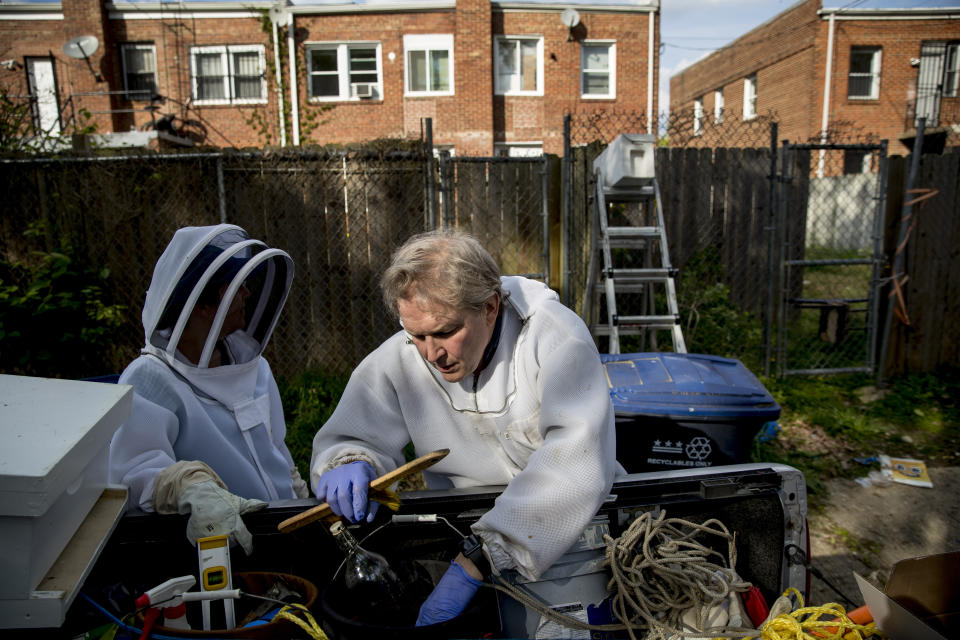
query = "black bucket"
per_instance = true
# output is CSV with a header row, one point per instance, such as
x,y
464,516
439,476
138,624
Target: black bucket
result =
x,y
346,618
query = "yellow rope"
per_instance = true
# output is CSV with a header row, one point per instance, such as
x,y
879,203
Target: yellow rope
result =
x,y
805,623
310,625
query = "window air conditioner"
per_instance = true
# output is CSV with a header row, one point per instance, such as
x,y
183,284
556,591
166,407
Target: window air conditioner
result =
x,y
362,89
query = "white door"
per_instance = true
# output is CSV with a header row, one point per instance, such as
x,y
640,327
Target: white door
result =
x,y
43,92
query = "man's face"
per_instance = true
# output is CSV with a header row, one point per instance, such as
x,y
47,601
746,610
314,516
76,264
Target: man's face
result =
x,y
452,340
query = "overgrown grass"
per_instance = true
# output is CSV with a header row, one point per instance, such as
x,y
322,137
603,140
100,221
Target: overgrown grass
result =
x,y
830,421
308,400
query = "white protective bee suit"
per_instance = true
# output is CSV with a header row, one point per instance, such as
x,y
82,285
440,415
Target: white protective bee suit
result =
x,y
194,424
538,418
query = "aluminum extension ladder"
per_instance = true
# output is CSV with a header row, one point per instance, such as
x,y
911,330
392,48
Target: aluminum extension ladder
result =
x,y
652,283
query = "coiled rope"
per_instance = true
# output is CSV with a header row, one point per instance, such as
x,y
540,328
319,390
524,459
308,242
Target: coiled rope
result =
x,y
826,622
309,625
659,570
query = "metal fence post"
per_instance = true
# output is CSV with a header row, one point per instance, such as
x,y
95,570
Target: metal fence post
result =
x,y
904,226
221,190
566,188
771,230
431,212
545,212
875,283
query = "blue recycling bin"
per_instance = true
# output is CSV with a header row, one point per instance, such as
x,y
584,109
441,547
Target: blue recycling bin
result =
x,y
682,410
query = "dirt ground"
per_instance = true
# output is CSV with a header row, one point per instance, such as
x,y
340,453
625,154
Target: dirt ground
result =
x,y
867,530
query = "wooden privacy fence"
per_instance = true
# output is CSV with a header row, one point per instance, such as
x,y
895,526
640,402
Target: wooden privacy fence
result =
x,y
339,216
720,200
931,265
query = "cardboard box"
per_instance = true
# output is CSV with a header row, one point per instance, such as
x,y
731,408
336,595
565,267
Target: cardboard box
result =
x,y
921,600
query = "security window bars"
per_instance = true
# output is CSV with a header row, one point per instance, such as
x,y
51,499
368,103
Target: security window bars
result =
x,y
864,81
718,106
139,62
597,67
228,74
429,64
750,97
344,71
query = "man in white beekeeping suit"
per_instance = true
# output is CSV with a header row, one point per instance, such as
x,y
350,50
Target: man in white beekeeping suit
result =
x,y
206,432
497,370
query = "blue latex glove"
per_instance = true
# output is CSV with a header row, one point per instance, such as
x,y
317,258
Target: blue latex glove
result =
x,y
344,488
450,597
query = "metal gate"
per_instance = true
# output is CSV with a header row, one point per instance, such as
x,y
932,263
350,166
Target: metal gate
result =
x,y
503,203
830,226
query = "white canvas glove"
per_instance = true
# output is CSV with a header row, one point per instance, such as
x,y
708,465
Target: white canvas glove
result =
x,y
192,487
300,488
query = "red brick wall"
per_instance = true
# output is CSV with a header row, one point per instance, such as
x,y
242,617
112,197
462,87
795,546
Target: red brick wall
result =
x,y
173,36
540,118
789,54
899,40
472,119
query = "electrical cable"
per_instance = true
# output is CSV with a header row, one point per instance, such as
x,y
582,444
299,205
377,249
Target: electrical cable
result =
x,y
310,626
123,625
797,555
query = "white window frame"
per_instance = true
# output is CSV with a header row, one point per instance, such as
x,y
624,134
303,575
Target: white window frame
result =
x,y
698,116
951,69
226,59
126,46
750,97
611,70
718,106
498,88
343,69
428,43
874,73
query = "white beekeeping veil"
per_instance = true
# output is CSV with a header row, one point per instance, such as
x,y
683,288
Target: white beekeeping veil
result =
x,y
208,266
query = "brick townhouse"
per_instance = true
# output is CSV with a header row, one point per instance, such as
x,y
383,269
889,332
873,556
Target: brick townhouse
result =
x,y
855,73
495,77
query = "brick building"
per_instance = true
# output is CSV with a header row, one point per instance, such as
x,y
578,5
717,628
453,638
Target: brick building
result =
x,y
495,77
855,74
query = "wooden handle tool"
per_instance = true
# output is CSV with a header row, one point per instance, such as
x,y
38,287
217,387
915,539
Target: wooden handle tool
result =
x,y
323,510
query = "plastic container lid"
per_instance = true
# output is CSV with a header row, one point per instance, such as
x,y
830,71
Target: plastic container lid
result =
x,y
686,386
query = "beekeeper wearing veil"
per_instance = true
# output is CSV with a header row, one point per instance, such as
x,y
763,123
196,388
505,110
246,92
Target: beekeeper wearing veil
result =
x,y
206,432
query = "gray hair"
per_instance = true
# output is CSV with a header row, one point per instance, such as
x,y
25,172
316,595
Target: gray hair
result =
x,y
447,267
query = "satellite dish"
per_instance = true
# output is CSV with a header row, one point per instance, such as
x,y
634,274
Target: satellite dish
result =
x,y
570,18
81,47
279,15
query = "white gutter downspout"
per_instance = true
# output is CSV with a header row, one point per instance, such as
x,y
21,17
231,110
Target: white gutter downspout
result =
x,y
276,63
825,121
294,101
651,115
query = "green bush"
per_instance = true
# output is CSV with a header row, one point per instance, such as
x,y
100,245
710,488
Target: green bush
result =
x,y
712,323
308,400
56,318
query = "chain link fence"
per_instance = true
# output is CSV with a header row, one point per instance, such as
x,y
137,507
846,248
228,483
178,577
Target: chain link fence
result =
x,y
339,214
831,236
504,203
